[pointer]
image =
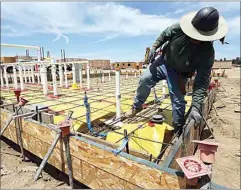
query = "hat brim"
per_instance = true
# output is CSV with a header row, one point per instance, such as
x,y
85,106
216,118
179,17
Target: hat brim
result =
x,y
191,31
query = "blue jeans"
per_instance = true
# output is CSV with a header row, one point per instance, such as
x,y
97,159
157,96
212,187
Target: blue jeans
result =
x,y
155,72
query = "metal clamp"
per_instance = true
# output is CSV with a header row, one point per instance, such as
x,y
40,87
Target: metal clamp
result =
x,y
123,145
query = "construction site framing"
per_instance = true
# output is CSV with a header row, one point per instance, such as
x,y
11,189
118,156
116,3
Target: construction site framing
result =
x,y
94,161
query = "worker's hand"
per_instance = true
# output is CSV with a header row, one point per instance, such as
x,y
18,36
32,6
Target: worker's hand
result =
x,y
194,114
152,55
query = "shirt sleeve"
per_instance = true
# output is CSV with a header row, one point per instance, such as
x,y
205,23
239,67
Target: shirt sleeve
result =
x,y
166,35
201,82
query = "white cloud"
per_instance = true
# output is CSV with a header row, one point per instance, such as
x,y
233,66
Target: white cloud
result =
x,y
184,7
107,38
234,25
62,19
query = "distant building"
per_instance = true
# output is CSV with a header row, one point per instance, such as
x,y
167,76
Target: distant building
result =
x,y
8,59
99,64
128,65
93,64
70,60
227,64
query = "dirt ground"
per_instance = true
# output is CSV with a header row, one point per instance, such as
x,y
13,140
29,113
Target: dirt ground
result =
x,y
226,126
16,174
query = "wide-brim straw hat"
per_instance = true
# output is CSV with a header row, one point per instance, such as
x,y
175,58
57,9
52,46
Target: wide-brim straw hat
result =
x,y
219,32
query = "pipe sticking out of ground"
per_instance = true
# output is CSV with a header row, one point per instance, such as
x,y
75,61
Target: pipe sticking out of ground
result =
x,y
61,75
80,73
2,83
15,78
43,72
25,78
118,96
54,77
29,74
6,77
21,77
32,73
66,81
88,77
73,73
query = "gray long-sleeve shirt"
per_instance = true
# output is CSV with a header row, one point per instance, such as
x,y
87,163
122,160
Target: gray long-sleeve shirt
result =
x,y
183,56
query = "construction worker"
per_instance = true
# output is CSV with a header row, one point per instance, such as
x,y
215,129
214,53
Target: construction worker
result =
x,y
188,48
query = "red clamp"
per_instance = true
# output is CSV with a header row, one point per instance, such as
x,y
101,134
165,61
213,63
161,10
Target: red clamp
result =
x,y
53,97
22,102
151,124
17,93
65,127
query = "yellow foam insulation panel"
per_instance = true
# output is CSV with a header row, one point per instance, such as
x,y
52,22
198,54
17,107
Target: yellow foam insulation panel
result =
x,y
111,99
155,133
76,124
111,108
100,105
69,99
99,115
61,107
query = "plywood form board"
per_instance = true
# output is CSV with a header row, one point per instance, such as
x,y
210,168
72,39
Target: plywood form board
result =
x,y
10,132
119,168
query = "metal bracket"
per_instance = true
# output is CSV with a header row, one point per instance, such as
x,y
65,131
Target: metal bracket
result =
x,y
31,114
68,117
123,145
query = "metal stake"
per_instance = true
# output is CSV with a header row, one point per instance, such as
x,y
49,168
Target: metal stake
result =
x,y
208,126
20,140
45,159
68,159
126,137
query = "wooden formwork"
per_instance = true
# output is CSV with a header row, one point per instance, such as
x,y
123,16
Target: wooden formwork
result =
x,y
95,164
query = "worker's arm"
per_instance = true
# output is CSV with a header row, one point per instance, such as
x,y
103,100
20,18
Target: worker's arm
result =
x,y
166,35
201,82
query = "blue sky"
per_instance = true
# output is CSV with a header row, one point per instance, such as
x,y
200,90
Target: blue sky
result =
x,y
119,31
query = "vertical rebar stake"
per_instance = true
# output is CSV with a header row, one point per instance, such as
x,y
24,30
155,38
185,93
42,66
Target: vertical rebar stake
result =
x,y
126,137
65,131
20,140
68,159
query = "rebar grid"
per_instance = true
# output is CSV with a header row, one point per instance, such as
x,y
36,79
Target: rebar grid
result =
x,y
99,88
